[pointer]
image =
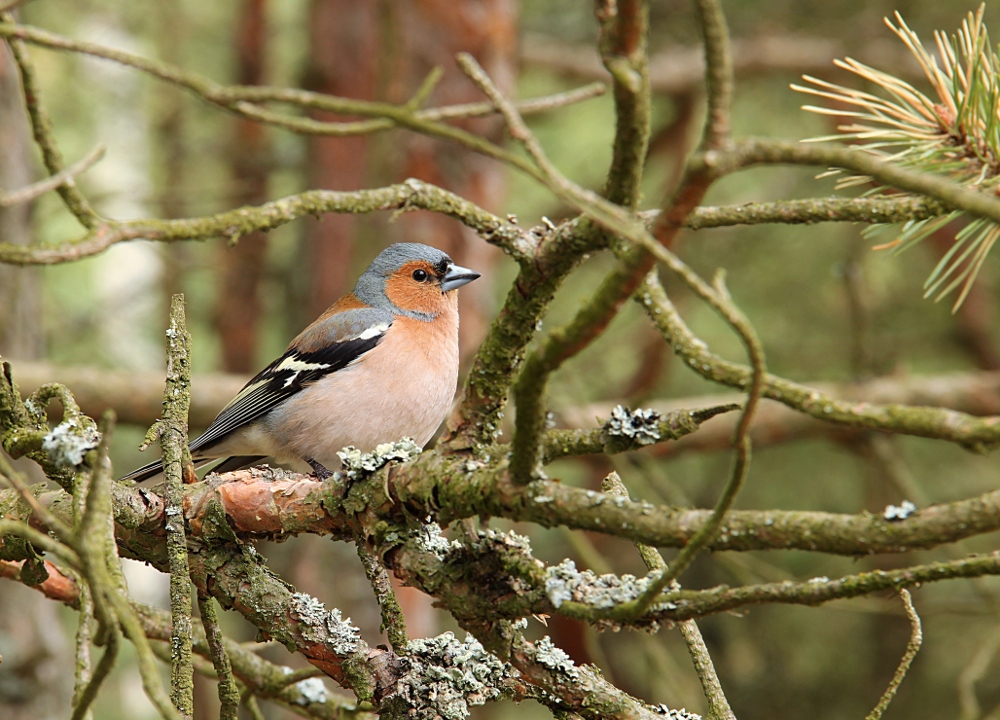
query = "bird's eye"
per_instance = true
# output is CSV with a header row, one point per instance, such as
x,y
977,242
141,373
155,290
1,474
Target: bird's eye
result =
x,y
420,275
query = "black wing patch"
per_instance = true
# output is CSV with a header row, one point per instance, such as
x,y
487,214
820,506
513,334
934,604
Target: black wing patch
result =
x,y
286,376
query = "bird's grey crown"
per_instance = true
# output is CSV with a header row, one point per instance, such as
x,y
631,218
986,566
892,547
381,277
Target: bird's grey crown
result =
x,y
370,288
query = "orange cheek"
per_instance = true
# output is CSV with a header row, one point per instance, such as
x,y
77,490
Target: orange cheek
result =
x,y
406,294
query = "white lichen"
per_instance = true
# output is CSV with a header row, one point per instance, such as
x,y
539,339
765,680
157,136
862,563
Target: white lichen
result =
x,y
320,625
444,677
681,714
430,538
311,690
358,464
550,655
641,426
563,582
69,442
899,512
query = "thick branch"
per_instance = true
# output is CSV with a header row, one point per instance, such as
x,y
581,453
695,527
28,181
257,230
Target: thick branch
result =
x,y
263,503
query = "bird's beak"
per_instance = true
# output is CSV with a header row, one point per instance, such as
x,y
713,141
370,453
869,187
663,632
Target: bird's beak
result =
x,y
456,277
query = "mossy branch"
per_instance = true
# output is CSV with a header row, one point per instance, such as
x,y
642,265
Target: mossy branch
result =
x,y
977,433
718,705
234,224
172,430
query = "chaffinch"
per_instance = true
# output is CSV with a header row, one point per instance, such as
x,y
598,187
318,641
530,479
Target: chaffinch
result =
x,y
379,365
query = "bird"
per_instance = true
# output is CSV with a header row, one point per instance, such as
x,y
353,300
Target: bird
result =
x,y
378,365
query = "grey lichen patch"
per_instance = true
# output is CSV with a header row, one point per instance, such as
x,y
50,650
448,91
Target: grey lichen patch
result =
x,y
430,538
639,426
509,539
69,442
565,583
553,657
358,464
317,624
443,677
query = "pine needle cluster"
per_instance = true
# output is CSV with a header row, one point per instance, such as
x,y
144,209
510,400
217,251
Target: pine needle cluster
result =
x,y
954,132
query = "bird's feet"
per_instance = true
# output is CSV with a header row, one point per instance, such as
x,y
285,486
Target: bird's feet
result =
x,y
321,472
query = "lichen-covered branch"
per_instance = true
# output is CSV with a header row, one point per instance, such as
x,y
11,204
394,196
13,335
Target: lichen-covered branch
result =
x,y
815,210
626,430
393,621
262,503
229,694
172,431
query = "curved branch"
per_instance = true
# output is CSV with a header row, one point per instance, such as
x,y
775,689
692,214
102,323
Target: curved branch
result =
x,y
233,224
980,434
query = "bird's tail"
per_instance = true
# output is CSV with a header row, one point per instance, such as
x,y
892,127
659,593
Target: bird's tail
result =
x,y
147,472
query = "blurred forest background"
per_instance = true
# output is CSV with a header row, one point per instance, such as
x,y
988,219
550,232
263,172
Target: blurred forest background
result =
x,y
828,308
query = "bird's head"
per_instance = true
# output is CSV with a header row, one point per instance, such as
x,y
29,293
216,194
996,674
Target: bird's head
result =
x,y
412,279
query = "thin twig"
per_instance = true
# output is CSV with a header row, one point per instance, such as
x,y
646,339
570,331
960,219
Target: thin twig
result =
x,y
10,476
718,72
83,670
393,622
718,298
35,190
41,127
88,693
912,647
623,47
718,704
974,671
253,708
229,694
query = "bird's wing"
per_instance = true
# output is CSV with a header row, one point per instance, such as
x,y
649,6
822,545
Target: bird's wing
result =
x,y
336,342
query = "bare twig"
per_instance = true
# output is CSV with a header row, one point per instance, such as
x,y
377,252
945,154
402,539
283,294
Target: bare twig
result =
x,y
973,672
